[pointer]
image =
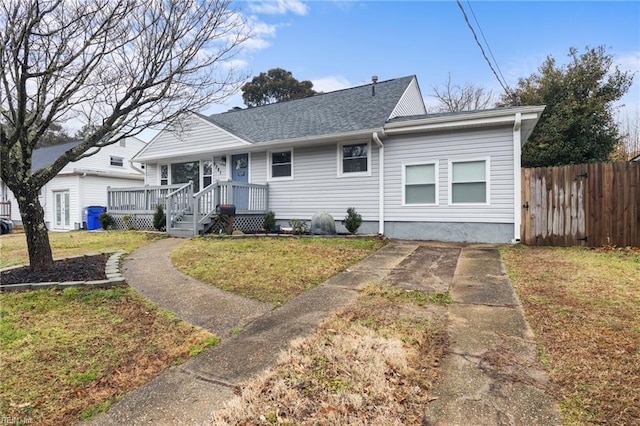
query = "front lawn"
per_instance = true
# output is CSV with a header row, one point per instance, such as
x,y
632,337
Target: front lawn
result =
x,y
13,247
66,354
584,306
373,362
272,270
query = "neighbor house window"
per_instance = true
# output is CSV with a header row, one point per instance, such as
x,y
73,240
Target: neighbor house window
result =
x,y
420,183
469,182
116,161
164,174
353,159
281,164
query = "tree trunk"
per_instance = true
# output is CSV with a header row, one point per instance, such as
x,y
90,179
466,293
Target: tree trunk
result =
x,y
40,256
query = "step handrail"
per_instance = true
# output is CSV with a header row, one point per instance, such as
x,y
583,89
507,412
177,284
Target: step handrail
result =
x,y
184,193
209,198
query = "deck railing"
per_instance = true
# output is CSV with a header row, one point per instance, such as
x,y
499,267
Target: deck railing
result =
x,y
179,200
179,203
138,200
5,209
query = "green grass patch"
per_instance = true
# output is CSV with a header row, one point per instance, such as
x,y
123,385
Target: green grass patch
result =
x,y
273,270
584,306
68,354
13,247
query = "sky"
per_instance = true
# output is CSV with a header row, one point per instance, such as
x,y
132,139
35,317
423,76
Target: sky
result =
x,y
339,44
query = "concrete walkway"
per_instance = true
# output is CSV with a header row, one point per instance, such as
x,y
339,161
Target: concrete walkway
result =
x,y
490,376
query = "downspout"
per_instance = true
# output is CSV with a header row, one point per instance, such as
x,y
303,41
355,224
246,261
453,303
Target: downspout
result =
x,y
378,142
517,177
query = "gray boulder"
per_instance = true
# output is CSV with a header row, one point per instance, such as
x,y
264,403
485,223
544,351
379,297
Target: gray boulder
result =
x,y
322,224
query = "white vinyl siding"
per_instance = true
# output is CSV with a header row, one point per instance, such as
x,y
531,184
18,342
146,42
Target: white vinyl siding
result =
x,y
197,136
101,160
495,144
316,187
420,183
410,102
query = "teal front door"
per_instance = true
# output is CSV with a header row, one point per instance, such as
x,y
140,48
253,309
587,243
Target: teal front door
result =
x,y
240,173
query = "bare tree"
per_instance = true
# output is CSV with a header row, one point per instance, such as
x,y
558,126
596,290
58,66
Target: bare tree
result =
x,y
629,129
116,67
454,98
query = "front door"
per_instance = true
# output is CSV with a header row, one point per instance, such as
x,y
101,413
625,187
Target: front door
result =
x,y
240,173
62,210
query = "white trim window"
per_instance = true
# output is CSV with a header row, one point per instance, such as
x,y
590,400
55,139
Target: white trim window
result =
x,y
469,181
206,172
354,159
280,164
420,184
164,174
116,161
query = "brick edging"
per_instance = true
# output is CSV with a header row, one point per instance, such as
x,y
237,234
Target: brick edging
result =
x,y
111,270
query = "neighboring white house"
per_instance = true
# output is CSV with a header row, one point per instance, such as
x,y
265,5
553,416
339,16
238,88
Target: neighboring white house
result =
x,y
448,177
82,183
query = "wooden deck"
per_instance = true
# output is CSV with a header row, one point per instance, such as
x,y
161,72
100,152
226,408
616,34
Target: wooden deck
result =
x,y
188,213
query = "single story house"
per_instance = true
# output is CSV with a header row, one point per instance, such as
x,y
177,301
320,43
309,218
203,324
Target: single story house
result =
x,y
410,174
81,183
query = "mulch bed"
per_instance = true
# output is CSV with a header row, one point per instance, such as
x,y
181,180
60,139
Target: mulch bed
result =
x,y
85,268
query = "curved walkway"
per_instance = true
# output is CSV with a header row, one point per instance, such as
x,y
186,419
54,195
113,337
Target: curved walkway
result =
x,y
490,375
150,271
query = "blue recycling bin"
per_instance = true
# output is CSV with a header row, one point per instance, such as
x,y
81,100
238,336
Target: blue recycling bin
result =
x,y
92,215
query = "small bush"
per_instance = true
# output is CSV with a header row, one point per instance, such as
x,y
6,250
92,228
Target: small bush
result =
x,y
159,218
129,221
352,220
298,226
106,220
269,221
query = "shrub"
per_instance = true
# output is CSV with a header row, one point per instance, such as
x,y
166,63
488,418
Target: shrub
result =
x,y
159,218
352,220
129,221
298,226
106,220
269,221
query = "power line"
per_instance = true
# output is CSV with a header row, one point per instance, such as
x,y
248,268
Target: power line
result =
x,y
487,43
475,36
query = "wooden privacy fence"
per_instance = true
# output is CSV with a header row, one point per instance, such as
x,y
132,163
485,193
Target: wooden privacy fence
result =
x,y
585,204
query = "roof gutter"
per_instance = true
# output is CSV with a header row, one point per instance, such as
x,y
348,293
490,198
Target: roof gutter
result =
x,y
464,120
364,134
378,142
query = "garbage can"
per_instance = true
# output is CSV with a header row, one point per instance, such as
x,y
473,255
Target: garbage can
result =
x,y
93,216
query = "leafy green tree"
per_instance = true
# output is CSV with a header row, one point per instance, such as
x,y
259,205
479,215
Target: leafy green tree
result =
x,y
276,85
577,125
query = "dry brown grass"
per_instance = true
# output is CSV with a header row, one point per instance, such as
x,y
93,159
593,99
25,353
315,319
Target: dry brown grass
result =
x,y
374,362
584,306
69,354
13,247
272,270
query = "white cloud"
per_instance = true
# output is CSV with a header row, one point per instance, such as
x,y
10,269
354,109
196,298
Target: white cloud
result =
x,y
278,7
330,83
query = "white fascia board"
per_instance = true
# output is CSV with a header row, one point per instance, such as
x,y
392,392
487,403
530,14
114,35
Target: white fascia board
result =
x,y
107,174
315,140
465,120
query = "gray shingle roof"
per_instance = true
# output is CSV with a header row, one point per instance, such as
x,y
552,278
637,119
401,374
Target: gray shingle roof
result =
x,y
341,111
44,156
